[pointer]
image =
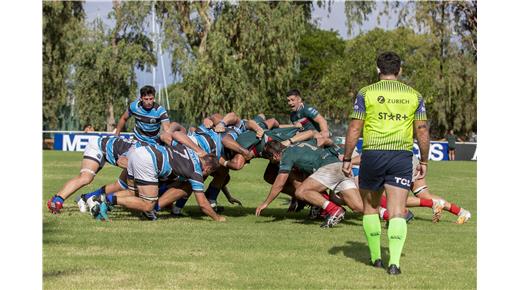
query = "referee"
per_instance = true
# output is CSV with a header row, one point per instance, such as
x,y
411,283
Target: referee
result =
x,y
388,111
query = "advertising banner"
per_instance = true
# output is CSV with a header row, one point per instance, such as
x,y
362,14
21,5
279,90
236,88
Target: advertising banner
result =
x,y
77,142
438,149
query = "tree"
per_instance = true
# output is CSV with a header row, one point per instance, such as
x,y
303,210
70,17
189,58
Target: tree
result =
x,y
61,22
242,58
319,50
104,76
451,27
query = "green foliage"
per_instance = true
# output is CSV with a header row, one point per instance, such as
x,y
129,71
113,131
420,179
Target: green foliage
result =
x,y
248,61
62,21
445,75
104,77
319,50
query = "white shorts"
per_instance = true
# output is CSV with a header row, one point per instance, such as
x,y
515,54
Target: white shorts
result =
x,y
93,152
333,178
141,167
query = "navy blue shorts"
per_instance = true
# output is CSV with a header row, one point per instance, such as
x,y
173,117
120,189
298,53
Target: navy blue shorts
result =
x,y
379,167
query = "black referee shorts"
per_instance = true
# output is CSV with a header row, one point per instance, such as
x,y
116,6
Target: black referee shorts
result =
x,y
380,167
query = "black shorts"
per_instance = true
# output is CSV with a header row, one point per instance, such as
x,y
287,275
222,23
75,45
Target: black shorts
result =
x,y
380,167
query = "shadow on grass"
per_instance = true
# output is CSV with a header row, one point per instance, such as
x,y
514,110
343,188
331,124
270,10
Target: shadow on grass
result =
x,y
359,252
58,273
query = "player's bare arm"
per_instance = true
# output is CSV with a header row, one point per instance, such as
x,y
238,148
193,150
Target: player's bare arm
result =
x,y
206,207
121,123
276,188
423,140
354,131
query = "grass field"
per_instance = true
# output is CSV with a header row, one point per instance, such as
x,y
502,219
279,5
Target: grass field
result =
x,y
275,251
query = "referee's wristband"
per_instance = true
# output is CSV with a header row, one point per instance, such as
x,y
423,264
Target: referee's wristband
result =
x,y
347,159
423,163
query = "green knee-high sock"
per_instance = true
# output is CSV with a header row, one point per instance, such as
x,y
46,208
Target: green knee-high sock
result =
x,y
396,237
372,227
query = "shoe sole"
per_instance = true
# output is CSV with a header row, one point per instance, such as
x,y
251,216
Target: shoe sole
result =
x,y
335,221
462,220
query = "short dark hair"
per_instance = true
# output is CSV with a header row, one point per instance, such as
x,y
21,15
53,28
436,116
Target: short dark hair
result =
x,y
147,90
210,161
271,148
389,63
293,92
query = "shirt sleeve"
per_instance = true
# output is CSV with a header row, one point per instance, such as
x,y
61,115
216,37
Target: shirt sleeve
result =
x,y
420,113
286,163
129,110
310,112
164,115
359,111
197,182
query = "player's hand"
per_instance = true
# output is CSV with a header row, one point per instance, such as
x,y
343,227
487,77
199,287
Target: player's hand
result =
x,y
221,219
286,143
202,153
347,168
233,200
421,170
220,128
260,208
259,133
298,125
207,123
122,162
250,155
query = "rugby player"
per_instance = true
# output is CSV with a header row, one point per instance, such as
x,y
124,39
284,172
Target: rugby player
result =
x,y
308,117
149,117
98,151
147,165
320,164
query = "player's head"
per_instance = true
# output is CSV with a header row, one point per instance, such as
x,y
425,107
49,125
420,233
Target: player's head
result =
x,y
273,151
389,63
294,99
147,96
209,164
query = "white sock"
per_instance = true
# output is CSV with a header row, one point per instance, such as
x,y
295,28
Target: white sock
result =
x,y
324,206
381,212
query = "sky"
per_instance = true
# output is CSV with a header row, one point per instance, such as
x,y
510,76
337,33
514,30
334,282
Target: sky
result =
x,y
333,20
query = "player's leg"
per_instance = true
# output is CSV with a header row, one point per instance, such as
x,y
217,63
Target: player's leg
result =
x,y
87,200
87,173
144,202
421,190
310,190
352,198
220,179
141,170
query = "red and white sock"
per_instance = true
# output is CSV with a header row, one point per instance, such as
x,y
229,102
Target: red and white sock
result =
x,y
423,202
383,201
454,209
383,213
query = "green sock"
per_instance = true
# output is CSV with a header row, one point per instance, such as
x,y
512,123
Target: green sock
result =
x,y
396,237
372,227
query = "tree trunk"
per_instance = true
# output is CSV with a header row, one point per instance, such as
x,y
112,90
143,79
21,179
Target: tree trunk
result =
x,y
111,121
